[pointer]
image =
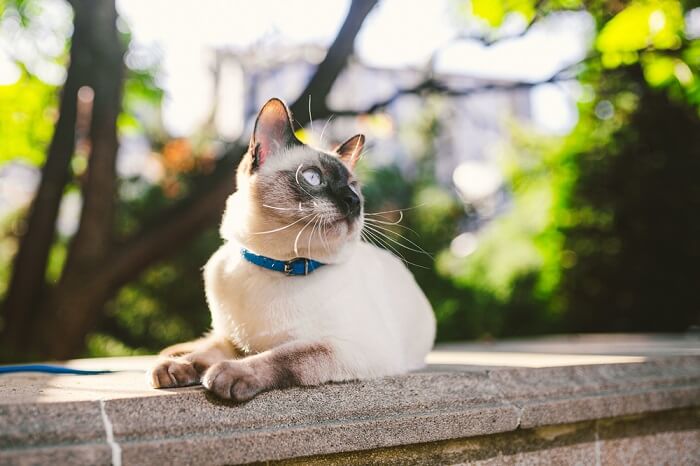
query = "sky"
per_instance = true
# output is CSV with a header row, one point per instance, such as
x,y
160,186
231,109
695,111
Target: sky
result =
x,y
180,34
398,33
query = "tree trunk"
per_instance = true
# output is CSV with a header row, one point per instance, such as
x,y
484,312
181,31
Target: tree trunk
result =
x,y
27,282
73,305
95,268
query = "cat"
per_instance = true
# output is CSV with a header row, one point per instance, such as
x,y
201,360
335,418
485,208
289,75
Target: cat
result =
x,y
348,310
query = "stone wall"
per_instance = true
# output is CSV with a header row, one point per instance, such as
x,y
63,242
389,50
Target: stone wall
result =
x,y
504,404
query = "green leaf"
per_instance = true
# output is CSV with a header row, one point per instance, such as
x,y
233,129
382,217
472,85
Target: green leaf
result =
x,y
657,24
495,11
28,109
658,70
491,11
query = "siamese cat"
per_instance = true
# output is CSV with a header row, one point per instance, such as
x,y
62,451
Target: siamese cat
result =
x,y
296,297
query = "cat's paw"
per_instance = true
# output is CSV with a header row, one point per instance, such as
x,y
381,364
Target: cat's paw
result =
x,y
233,380
169,373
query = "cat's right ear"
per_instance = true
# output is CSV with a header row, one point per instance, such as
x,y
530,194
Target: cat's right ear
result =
x,y
273,131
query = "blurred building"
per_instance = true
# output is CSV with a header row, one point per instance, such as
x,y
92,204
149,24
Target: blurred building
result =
x,y
472,127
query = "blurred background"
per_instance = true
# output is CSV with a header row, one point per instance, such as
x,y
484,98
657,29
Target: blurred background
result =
x,y
546,153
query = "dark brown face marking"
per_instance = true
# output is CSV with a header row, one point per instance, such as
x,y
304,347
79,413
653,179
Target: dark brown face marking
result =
x,y
337,186
286,193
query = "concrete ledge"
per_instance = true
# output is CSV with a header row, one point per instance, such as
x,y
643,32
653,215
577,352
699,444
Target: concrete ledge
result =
x,y
116,418
669,437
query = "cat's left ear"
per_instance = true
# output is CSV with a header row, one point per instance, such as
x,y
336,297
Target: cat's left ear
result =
x,y
273,131
350,151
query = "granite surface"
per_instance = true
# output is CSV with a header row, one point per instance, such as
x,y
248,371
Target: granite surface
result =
x,y
467,391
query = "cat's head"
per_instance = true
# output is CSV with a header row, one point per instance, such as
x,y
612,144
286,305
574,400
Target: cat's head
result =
x,y
294,200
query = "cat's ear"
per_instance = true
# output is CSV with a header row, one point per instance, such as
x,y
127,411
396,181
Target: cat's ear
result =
x,y
273,131
350,151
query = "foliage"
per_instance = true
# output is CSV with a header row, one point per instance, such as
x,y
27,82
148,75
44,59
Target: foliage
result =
x,y
162,307
599,234
28,104
27,115
632,243
599,237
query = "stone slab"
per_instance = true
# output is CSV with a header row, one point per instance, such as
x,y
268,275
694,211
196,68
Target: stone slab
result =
x,y
619,344
669,437
334,417
467,394
32,425
88,454
569,394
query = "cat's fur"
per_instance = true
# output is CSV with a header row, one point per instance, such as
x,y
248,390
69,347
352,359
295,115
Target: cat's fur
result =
x,y
362,315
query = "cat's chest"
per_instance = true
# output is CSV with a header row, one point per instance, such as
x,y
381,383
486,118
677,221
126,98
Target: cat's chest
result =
x,y
258,309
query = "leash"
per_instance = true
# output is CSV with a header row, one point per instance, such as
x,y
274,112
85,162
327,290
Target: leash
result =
x,y
49,369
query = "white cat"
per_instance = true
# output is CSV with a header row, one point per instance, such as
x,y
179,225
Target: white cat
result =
x,y
347,310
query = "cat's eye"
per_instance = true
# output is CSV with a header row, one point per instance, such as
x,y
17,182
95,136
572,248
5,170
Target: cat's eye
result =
x,y
312,176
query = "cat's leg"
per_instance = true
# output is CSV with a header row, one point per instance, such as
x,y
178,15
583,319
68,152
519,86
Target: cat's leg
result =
x,y
294,363
183,364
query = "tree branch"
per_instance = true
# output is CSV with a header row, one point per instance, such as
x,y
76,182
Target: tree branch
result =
x,y
328,70
433,86
177,225
489,41
204,208
540,13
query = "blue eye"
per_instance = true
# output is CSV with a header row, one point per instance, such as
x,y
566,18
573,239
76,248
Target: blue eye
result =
x,y
312,176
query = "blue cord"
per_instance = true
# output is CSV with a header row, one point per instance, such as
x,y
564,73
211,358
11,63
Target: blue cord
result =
x,y
49,369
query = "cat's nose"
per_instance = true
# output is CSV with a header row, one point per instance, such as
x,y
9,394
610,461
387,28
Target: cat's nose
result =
x,y
351,201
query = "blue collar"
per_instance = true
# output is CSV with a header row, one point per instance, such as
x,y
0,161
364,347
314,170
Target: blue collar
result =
x,y
298,266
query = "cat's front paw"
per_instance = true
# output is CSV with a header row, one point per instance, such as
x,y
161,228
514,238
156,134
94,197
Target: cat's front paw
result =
x,y
233,380
169,373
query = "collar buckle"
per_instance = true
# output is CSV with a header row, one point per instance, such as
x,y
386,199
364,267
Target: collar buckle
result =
x,y
289,266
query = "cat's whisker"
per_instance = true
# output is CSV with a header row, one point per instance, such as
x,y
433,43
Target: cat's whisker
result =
x,y
392,223
381,223
325,126
284,227
313,229
311,120
385,245
321,232
324,235
365,236
384,230
371,239
363,154
378,241
296,209
397,222
417,248
393,249
396,210
296,240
